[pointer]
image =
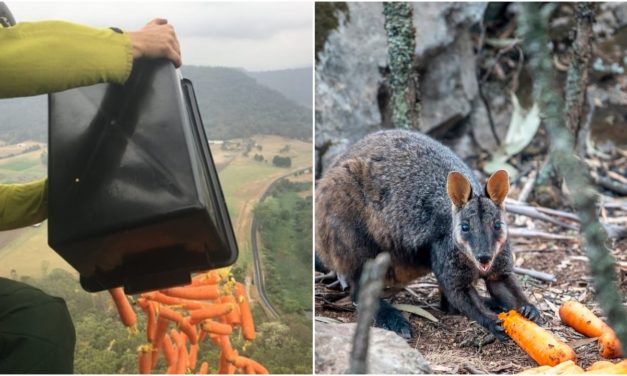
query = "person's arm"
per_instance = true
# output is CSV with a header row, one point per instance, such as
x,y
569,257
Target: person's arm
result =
x,y
23,204
48,56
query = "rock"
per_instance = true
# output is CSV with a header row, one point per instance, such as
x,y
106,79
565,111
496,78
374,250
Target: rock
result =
x,y
388,352
348,74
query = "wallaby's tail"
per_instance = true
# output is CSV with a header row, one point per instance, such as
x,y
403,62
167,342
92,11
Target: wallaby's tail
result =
x,y
320,267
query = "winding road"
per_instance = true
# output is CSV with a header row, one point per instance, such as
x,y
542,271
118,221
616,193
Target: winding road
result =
x,y
258,275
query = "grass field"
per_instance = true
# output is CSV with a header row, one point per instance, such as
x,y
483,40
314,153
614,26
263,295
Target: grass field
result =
x,y
23,167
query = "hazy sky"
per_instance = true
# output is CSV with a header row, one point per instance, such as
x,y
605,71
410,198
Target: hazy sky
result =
x,y
254,35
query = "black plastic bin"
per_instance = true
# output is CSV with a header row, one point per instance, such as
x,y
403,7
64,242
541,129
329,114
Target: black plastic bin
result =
x,y
134,196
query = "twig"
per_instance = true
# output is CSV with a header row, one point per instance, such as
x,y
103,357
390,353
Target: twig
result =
x,y
531,212
474,370
370,287
526,233
542,276
610,184
528,187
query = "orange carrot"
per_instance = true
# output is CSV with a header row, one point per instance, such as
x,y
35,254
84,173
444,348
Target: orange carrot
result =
x,y
194,293
204,368
168,351
211,326
248,326
599,365
171,370
211,311
182,322
149,308
193,356
209,278
183,358
227,350
609,345
538,343
233,318
172,301
160,330
224,366
580,318
189,330
144,359
258,368
126,312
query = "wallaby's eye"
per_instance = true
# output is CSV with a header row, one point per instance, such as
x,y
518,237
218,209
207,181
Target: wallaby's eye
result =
x,y
497,225
465,227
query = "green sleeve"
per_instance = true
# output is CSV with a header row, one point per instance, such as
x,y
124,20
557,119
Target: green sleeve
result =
x,y
48,56
23,204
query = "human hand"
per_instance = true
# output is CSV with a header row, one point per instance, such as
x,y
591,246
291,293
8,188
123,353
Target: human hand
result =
x,y
156,40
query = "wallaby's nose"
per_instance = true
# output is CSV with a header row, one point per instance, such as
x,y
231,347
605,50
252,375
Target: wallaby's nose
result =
x,y
484,259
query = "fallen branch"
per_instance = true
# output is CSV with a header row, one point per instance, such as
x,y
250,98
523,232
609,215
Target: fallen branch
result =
x,y
528,187
531,212
542,276
526,233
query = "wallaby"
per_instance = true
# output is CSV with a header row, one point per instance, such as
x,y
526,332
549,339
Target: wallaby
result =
x,y
404,193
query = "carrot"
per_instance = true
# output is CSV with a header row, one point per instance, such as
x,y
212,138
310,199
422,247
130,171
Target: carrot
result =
x,y
160,330
248,326
149,308
580,318
233,318
599,365
204,368
126,312
182,322
209,278
171,369
144,353
211,326
538,343
193,356
194,293
258,368
609,345
224,367
183,358
619,368
227,350
189,330
172,301
168,351
536,370
211,311
248,369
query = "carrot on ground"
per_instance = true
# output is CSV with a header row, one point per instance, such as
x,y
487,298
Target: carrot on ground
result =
x,y
194,292
539,344
248,326
580,318
127,314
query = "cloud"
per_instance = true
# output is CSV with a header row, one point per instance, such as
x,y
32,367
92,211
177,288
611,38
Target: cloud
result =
x,y
252,35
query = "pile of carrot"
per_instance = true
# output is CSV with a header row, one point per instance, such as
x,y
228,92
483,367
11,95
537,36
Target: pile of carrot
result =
x,y
556,357
569,367
210,308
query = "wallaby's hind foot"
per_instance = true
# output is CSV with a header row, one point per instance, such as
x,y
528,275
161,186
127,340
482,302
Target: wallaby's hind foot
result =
x,y
390,318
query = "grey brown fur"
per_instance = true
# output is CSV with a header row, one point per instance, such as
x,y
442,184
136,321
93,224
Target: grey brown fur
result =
x,y
388,193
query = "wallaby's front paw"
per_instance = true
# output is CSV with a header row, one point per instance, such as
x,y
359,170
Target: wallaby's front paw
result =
x,y
531,312
496,328
392,319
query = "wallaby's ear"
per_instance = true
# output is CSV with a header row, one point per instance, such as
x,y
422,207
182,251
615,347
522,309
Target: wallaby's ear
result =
x,y
497,187
458,188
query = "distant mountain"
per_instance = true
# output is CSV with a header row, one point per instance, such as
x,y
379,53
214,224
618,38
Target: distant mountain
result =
x,y
295,84
231,102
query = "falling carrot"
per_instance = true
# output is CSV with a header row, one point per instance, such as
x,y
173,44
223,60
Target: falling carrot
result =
x,y
210,312
248,326
233,318
172,301
145,359
151,322
539,344
125,310
168,351
209,278
580,318
211,326
193,356
183,358
204,368
224,366
229,354
194,293
258,368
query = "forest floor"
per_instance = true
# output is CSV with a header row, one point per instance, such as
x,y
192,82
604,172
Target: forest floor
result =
x,y
456,344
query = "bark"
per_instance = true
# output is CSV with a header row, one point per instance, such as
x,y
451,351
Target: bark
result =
x,y
370,287
533,28
404,77
577,78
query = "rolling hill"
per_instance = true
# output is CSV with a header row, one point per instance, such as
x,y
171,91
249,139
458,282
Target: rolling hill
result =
x,y
295,84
